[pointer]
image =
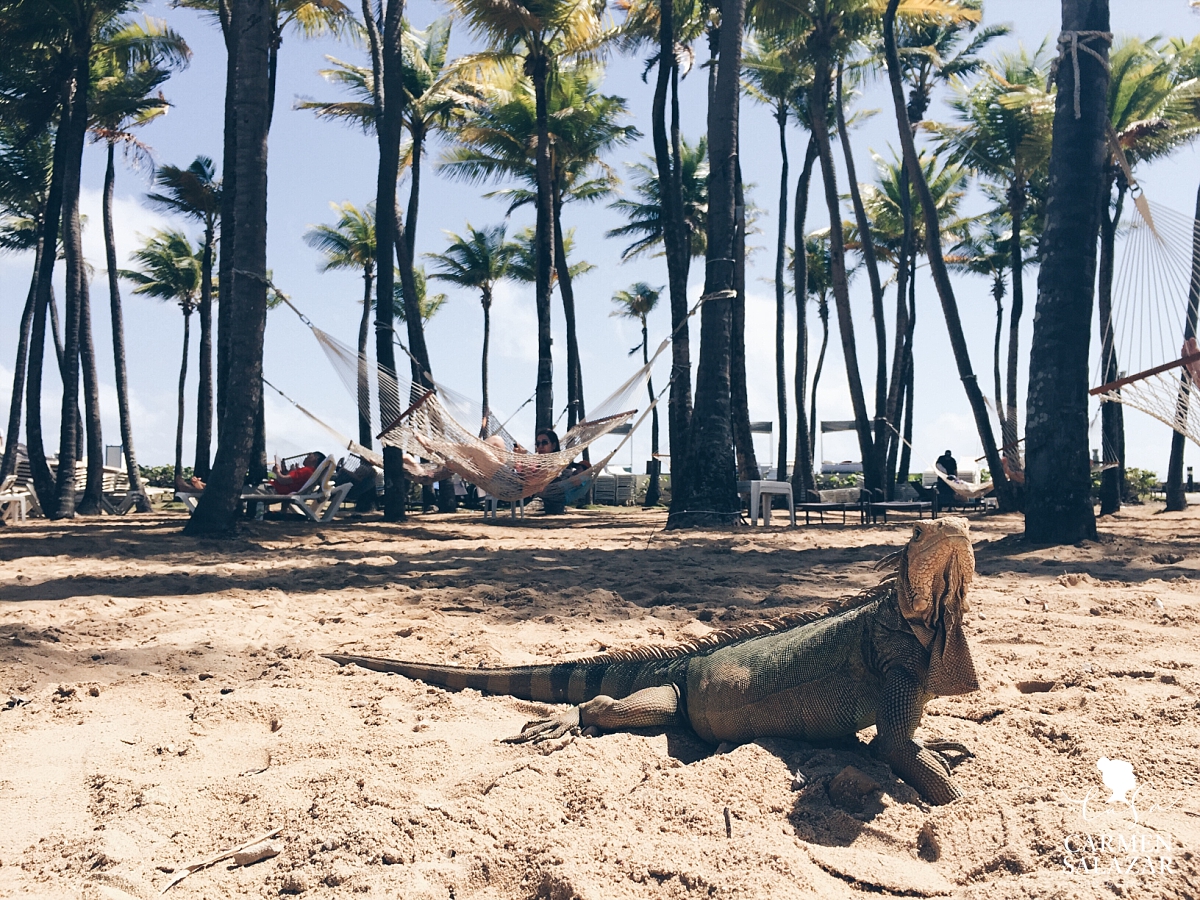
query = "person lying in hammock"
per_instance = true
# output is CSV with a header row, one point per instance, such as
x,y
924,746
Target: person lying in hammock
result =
x,y
554,502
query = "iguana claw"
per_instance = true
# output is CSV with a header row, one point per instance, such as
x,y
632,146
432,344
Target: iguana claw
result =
x,y
939,749
539,730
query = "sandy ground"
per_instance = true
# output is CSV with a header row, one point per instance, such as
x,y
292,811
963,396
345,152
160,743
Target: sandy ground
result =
x,y
163,699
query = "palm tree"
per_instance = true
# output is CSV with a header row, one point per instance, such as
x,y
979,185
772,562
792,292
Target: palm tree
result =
x,y
24,184
670,29
241,441
644,214
897,238
124,99
171,271
1003,134
637,302
937,265
433,89
311,18
540,35
195,192
350,244
480,261
774,75
499,140
1058,505
427,304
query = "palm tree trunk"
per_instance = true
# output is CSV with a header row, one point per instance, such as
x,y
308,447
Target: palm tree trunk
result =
x,y
823,312
537,67
225,275
937,265
710,489
75,127
1111,421
802,472
204,396
781,404
364,382
1057,472
43,480
217,511
385,53
180,403
837,258
9,464
118,336
486,300
880,441
93,493
575,410
902,339
743,437
899,448
1176,498
60,356
1011,431
675,245
652,489
414,189
998,296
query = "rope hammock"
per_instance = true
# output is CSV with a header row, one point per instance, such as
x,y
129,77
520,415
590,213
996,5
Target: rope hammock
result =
x,y
1154,305
436,442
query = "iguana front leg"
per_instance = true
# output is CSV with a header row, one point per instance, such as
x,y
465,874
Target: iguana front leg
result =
x,y
896,721
647,708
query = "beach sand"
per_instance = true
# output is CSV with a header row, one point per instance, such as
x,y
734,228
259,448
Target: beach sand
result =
x,y
163,699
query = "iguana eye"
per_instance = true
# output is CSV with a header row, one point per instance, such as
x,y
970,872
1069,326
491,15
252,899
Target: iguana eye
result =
x,y
916,531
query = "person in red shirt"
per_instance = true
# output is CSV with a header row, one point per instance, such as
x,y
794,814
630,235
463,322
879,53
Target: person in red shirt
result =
x,y
290,481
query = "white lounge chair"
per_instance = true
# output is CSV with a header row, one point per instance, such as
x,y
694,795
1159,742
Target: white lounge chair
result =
x,y
14,504
318,498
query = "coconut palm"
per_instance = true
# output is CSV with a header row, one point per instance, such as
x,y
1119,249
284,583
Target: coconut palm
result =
x,y
668,30
637,302
539,35
644,214
1002,132
350,244
427,303
125,99
480,261
195,192
24,185
774,75
499,139
433,87
171,271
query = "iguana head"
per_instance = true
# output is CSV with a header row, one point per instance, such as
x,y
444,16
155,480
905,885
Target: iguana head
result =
x,y
936,568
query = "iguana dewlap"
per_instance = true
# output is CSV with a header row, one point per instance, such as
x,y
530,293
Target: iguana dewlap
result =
x,y
876,659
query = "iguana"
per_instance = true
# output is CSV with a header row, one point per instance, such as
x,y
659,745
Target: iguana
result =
x,y
873,659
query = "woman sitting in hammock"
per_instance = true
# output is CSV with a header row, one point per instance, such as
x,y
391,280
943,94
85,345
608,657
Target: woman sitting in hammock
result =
x,y
554,502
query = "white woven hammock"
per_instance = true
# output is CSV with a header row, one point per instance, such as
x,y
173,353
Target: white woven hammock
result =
x,y
1155,292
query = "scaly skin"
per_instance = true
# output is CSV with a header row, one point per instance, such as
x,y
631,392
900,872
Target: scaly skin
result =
x,y
875,660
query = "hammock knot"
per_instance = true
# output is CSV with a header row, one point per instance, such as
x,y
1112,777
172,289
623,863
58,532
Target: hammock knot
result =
x,y
1071,42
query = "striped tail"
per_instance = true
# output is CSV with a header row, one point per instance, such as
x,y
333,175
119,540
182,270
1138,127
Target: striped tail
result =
x,y
572,682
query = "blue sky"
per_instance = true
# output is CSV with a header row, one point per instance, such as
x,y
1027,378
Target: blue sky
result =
x,y
312,164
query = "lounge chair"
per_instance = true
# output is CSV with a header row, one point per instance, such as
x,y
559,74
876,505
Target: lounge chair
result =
x,y
14,503
318,498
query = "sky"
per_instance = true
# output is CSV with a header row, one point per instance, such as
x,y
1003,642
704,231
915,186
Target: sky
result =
x,y
313,164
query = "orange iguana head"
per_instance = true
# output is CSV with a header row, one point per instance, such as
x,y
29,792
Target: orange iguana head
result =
x,y
936,568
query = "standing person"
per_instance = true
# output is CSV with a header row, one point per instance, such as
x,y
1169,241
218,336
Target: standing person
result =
x,y
949,467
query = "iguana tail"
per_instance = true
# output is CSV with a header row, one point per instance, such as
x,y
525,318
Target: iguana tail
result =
x,y
571,682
